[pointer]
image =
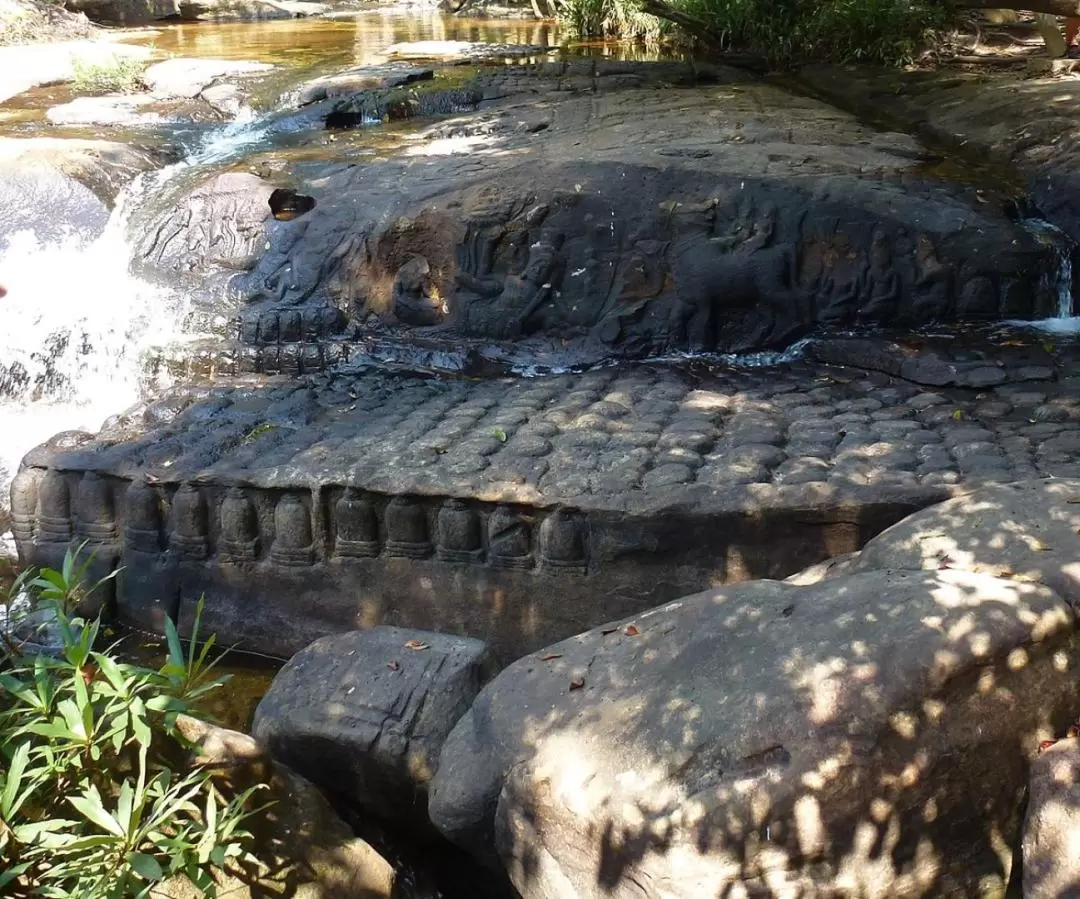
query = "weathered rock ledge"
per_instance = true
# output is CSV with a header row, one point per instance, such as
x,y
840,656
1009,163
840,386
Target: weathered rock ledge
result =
x,y
596,206
514,510
1029,126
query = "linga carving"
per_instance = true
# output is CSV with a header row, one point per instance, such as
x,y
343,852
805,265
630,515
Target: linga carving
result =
x,y
142,518
357,527
293,543
239,540
362,527
188,531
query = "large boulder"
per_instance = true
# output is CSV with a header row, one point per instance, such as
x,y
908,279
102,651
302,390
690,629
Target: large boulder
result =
x,y
303,848
1052,824
1028,531
867,735
31,65
56,187
365,714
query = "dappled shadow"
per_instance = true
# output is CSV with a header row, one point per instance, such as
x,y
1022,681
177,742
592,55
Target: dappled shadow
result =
x,y
869,733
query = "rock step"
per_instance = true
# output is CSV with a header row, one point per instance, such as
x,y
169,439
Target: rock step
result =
x,y
514,510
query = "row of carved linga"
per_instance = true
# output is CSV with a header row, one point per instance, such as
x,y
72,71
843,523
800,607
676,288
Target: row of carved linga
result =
x,y
41,513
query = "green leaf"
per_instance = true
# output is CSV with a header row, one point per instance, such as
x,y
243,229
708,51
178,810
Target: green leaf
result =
x,y
123,806
90,807
146,866
13,781
176,649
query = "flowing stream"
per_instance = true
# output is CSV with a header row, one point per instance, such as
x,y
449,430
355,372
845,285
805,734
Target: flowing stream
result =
x,y
78,325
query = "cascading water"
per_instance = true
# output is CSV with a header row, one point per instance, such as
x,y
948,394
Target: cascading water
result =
x,y
1059,279
77,323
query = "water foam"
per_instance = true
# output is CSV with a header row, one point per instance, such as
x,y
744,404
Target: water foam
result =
x,y
77,324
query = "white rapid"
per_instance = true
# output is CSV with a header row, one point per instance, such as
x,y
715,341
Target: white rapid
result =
x,y
76,324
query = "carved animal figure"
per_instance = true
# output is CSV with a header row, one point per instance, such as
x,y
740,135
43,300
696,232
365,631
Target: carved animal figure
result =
x,y
756,277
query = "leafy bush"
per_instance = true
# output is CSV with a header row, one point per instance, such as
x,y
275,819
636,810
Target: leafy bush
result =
x,y
97,797
785,32
118,75
615,18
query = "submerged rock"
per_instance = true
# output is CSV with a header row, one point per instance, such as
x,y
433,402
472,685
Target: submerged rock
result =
x,y
864,735
365,714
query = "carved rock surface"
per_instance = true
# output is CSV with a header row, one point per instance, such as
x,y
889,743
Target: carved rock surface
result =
x,y
728,216
1052,824
365,714
864,735
221,225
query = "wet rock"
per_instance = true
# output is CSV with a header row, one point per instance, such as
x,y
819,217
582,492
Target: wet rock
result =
x,y
130,110
303,848
188,78
53,186
1051,846
623,253
865,732
365,714
464,51
361,78
220,225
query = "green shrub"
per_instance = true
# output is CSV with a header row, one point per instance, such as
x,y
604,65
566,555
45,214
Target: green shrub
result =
x,y
118,75
97,796
785,32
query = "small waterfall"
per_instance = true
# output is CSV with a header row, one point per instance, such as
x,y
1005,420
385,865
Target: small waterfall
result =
x,y
1058,280
76,323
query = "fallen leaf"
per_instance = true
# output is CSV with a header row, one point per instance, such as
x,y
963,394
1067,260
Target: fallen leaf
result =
x,y
394,665
1040,547
417,645
1046,744
1073,500
577,683
958,415
608,630
499,434
631,630
1014,343
547,657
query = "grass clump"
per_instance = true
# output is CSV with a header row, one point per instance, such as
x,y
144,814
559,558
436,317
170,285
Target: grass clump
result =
x,y
98,797
117,75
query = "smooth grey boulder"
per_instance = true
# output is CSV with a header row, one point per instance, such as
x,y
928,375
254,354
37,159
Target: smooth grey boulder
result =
x,y
1052,825
1029,530
187,78
864,736
57,187
364,714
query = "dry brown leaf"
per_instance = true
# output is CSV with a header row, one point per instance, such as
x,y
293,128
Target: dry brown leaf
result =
x,y
547,657
577,683
417,645
631,630
394,665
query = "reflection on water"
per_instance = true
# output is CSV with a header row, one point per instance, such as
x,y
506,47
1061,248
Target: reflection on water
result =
x,y
333,43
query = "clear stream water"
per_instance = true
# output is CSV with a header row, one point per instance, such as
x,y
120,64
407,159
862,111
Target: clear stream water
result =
x,y
77,323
